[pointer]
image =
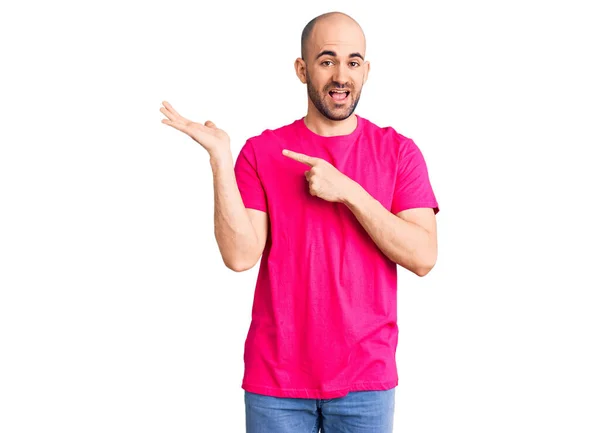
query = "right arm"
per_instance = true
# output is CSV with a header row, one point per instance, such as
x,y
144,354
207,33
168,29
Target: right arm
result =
x,y
240,232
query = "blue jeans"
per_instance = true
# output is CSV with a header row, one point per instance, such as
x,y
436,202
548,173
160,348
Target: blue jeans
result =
x,y
356,412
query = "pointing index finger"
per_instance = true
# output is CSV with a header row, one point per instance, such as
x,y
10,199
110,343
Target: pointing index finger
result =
x,y
305,159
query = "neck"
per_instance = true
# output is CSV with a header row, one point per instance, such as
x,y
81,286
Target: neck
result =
x,y
321,125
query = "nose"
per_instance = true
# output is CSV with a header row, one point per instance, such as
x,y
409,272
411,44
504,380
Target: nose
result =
x,y
341,74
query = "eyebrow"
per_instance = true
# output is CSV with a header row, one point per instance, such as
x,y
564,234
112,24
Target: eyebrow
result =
x,y
332,53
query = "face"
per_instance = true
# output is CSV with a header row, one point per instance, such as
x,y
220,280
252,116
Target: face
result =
x,y
334,69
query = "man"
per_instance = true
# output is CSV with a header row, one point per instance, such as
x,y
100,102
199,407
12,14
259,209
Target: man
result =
x,y
333,203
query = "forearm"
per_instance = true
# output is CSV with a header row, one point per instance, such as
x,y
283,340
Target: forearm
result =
x,y
403,242
234,231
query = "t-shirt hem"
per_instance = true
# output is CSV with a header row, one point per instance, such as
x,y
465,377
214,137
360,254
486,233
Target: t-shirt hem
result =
x,y
319,394
432,205
256,206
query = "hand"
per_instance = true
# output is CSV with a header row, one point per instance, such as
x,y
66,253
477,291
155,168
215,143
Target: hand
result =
x,y
208,135
324,180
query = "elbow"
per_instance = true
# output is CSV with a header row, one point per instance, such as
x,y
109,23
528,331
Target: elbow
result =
x,y
237,267
425,266
240,266
422,270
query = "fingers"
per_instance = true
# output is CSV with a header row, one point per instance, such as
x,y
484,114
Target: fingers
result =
x,y
170,108
173,115
167,113
300,157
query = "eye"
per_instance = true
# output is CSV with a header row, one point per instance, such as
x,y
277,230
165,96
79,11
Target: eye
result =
x,y
326,61
356,63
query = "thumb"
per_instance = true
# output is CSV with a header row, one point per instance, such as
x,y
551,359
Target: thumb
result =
x,y
210,124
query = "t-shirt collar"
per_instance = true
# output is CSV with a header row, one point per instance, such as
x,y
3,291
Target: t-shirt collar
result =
x,y
331,139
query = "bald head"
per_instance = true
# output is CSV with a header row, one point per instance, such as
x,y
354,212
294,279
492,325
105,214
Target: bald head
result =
x,y
341,22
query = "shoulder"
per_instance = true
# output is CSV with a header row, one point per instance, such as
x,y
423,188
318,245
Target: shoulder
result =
x,y
389,136
267,136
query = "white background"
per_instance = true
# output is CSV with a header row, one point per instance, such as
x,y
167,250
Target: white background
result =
x,y
117,313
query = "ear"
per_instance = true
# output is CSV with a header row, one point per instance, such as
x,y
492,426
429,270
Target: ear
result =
x,y
367,66
300,67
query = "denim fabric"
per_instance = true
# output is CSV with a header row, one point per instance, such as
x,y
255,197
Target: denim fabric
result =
x,y
356,412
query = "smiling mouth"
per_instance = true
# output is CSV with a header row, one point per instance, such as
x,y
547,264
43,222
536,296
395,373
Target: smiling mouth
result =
x,y
339,96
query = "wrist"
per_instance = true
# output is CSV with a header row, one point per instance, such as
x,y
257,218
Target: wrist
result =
x,y
220,157
353,194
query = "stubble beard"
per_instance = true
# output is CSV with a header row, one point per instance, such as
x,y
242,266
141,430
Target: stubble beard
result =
x,y
321,104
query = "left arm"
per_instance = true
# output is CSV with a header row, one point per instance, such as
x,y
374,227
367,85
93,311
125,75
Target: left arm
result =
x,y
408,238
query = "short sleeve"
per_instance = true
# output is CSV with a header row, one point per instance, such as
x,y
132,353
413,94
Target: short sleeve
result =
x,y
412,188
248,181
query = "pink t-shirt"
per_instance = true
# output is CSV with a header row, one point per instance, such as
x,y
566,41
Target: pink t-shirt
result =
x,y
324,313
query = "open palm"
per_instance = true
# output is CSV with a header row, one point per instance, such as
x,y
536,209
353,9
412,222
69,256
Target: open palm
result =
x,y
208,135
